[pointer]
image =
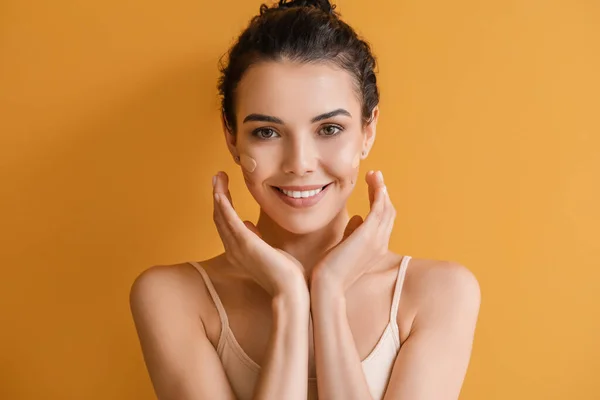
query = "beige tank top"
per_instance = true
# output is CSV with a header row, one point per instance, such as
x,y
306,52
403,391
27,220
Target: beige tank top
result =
x,y
243,372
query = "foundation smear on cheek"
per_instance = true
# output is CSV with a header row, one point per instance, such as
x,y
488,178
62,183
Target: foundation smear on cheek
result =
x,y
248,163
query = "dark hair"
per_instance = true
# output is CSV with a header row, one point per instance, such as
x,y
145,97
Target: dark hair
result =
x,y
305,31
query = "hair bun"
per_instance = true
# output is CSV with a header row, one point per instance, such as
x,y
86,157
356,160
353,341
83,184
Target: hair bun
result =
x,y
323,5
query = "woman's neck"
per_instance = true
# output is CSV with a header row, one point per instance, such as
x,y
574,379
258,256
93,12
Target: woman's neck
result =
x,y
307,248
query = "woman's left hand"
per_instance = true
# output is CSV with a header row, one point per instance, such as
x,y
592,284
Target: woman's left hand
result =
x,y
364,243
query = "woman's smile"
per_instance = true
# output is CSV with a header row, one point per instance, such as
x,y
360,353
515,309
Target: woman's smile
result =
x,y
301,196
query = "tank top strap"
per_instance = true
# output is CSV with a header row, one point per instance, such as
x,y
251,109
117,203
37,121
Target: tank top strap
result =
x,y
396,298
216,300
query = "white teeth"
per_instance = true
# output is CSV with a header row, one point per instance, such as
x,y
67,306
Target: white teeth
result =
x,y
297,195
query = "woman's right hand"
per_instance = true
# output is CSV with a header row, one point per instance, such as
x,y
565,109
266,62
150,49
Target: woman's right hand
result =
x,y
273,269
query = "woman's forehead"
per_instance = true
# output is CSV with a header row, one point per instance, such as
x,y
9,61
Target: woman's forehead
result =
x,y
297,91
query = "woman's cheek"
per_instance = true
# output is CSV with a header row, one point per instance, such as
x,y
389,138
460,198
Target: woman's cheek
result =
x,y
250,169
256,168
356,161
345,166
248,163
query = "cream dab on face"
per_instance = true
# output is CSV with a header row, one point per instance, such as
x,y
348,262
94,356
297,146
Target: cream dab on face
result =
x,y
248,163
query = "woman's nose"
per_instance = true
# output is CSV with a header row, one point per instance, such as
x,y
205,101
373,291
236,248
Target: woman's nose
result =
x,y
300,157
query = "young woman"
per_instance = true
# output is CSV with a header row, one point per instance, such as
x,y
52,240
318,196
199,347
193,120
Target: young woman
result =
x,y
308,302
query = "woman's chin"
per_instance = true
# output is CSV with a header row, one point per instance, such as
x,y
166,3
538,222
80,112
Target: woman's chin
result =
x,y
299,221
300,224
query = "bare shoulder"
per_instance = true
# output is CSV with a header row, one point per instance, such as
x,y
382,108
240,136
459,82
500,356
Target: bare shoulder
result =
x,y
438,286
166,304
162,292
442,278
164,282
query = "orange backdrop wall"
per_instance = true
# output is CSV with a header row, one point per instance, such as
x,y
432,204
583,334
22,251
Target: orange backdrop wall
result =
x,y
489,136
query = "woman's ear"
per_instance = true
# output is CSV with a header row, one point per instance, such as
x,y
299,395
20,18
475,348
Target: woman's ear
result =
x,y
230,138
370,132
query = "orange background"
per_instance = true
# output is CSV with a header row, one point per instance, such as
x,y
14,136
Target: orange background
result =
x,y
489,137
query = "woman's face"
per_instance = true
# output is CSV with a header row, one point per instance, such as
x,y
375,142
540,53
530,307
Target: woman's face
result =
x,y
299,130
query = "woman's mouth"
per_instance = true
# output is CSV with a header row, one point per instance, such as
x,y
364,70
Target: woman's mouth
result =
x,y
300,197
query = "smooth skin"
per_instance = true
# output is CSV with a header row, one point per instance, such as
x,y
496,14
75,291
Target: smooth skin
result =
x,y
307,291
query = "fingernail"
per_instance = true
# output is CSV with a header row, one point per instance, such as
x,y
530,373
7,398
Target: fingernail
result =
x,y
380,176
216,197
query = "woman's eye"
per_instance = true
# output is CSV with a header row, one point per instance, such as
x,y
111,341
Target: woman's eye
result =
x,y
331,130
265,133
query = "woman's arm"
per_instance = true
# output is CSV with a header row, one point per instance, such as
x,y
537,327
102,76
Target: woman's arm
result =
x,y
339,370
432,362
284,374
182,362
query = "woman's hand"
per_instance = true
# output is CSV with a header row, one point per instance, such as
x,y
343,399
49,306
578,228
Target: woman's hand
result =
x,y
273,269
363,243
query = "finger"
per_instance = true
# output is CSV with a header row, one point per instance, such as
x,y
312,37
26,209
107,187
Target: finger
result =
x,y
225,187
387,203
222,185
231,218
387,234
389,219
371,187
352,225
224,231
375,181
376,214
389,213
386,224
217,214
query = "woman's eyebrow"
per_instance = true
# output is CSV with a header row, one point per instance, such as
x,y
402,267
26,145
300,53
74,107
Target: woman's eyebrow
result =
x,y
262,117
339,111
275,120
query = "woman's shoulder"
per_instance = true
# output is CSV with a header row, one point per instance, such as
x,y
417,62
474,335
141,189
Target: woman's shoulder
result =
x,y
178,285
425,272
169,283
426,276
181,273
432,284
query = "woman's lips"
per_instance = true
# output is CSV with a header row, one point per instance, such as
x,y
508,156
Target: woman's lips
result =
x,y
302,202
